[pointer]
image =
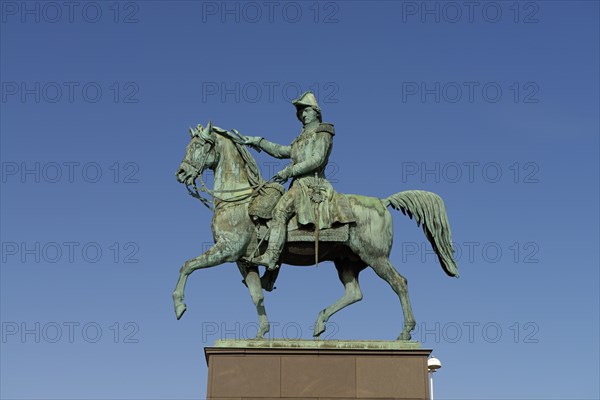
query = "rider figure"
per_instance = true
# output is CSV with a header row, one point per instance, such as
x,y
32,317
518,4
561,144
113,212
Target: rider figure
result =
x,y
309,153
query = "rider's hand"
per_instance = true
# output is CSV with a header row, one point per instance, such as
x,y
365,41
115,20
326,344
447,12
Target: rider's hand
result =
x,y
283,175
252,140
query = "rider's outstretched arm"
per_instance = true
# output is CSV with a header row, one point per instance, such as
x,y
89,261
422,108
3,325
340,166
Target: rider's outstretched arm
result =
x,y
274,149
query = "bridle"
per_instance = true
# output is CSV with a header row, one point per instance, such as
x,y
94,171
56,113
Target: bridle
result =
x,y
194,191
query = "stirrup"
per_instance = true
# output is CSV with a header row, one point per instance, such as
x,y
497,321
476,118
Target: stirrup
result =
x,y
266,260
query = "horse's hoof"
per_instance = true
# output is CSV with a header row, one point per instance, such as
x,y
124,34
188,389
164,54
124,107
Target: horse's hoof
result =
x,y
263,331
180,310
406,330
319,329
319,326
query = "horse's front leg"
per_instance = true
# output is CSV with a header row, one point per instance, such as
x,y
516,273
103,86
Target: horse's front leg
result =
x,y
221,252
252,280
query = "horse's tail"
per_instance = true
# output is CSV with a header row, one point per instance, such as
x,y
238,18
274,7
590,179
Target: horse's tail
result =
x,y
428,209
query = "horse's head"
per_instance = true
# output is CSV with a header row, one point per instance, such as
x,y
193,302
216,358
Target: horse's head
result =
x,y
200,154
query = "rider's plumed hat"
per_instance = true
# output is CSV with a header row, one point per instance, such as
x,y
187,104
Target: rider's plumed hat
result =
x,y
307,99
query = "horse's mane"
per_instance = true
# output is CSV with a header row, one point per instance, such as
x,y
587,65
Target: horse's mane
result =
x,y
252,170
254,176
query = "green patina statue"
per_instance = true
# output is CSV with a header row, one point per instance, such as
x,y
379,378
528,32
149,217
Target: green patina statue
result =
x,y
257,223
310,196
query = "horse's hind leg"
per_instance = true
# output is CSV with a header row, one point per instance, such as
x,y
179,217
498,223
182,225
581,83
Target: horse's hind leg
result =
x,y
384,268
216,255
348,275
252,280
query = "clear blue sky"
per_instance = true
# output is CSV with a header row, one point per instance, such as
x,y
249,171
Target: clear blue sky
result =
x,y
493,106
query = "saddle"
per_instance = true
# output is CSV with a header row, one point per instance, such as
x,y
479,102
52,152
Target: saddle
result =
x,y
261,211
337,233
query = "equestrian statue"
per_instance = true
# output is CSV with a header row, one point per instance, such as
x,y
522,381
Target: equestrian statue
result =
x,y
258,223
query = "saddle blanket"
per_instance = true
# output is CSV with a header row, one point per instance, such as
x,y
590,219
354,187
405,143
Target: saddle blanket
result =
x,y
337,233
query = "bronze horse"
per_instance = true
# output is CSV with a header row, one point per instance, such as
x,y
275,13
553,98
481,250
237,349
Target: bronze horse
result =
x,y
236,177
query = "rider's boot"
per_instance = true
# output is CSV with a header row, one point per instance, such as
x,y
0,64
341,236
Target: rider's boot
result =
x,y
276,240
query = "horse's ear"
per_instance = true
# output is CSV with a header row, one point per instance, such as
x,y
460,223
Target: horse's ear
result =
x,y
207,132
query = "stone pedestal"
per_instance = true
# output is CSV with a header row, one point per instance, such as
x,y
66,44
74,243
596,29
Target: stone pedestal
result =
x,y
298,369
